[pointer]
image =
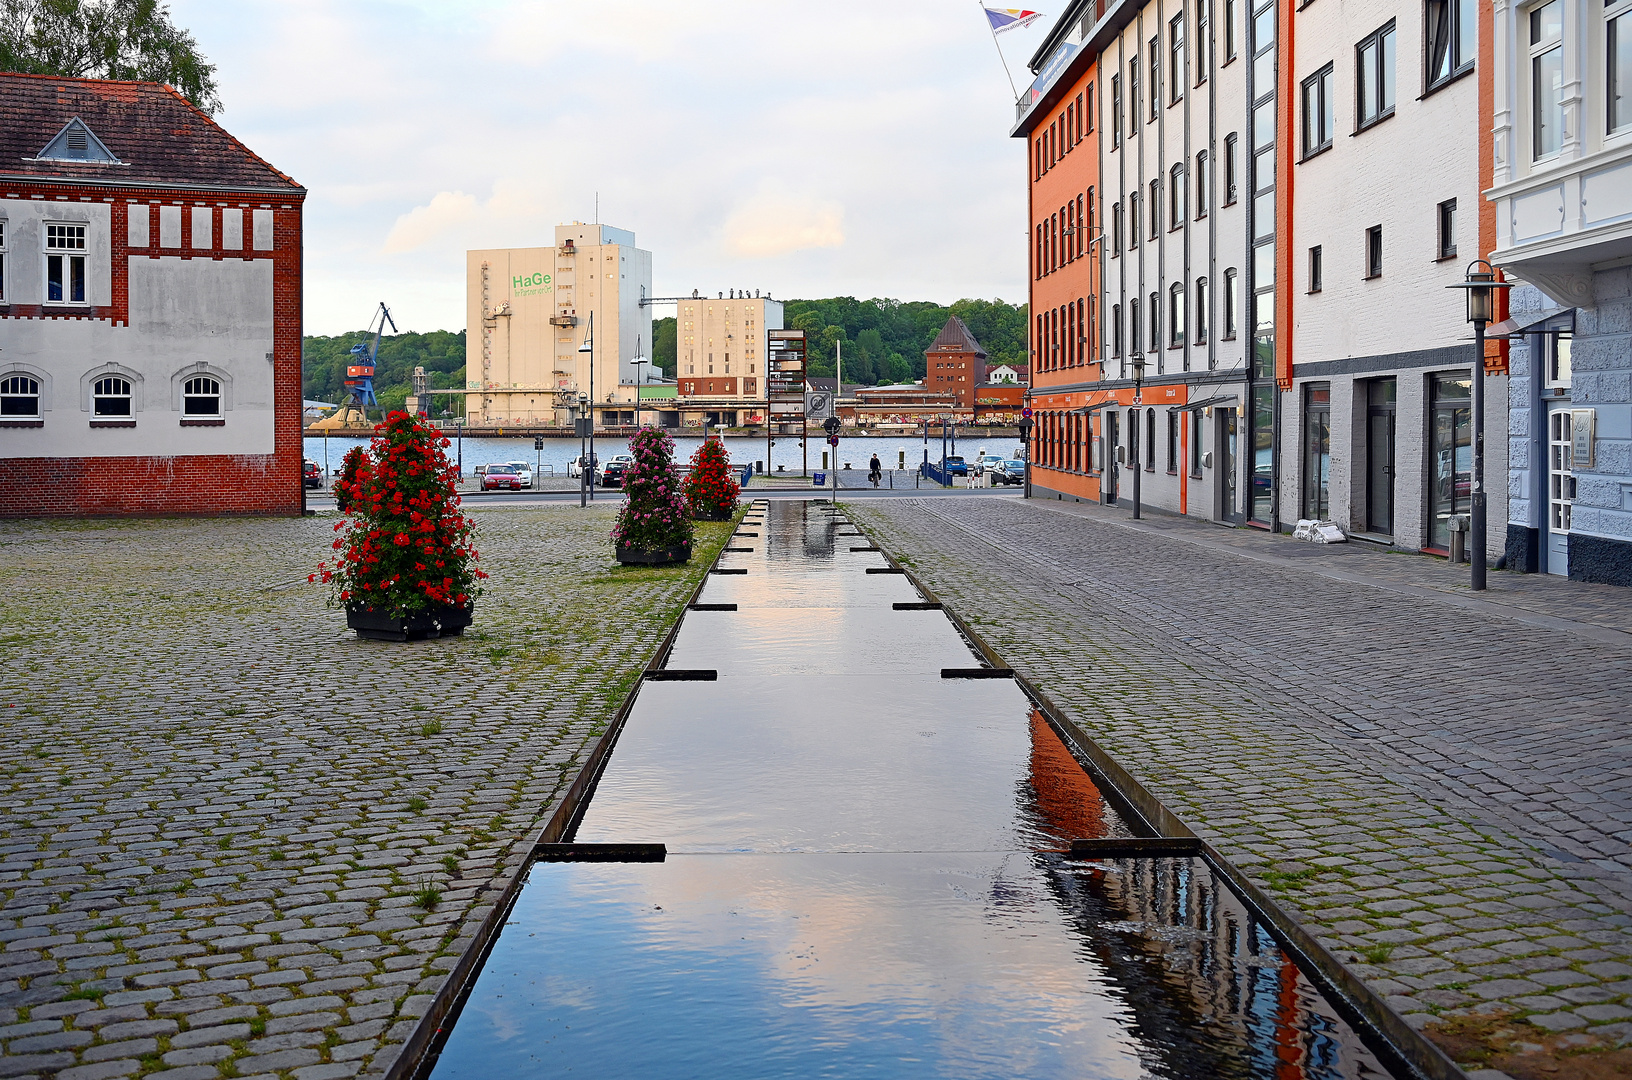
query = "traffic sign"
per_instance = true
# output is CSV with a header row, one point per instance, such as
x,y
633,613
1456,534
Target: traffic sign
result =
x,y
831,425
1026,412
538,442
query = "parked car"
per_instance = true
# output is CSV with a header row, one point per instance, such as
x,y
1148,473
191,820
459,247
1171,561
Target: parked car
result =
x,y
956,466
575,467
987,461
500,478
621,459
523,470
612,474
311,473
1009,471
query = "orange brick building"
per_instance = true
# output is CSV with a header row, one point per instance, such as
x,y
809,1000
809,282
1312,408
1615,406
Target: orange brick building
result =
x,y
955,363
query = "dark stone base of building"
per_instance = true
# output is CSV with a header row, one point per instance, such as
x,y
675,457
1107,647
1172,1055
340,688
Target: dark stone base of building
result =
x,y
1524,549
1600,559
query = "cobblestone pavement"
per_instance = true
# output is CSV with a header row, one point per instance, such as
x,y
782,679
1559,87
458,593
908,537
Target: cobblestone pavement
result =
x,y
1439,785
237,841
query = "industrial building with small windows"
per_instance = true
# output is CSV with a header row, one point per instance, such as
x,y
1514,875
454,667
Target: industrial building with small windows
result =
x,y
150,308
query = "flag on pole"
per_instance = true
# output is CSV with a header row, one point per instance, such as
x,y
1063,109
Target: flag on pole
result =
x,y
1009,18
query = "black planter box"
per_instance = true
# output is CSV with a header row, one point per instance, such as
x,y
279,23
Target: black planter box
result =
x,y
714,515
633,556
419,626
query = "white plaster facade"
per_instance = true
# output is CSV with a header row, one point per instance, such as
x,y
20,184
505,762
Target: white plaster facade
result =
x,y
1563,197
187,317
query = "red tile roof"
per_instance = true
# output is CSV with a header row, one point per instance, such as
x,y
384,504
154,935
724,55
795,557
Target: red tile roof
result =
x,y
158,135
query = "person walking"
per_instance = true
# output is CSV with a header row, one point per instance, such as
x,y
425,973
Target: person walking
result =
x,y
875,470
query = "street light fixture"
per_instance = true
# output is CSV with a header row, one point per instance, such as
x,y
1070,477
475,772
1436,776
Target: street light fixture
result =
x,y
1481,286
587,400
586,477
1137,435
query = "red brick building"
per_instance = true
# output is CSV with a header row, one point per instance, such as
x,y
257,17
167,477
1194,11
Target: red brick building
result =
x,y
955,363
150,308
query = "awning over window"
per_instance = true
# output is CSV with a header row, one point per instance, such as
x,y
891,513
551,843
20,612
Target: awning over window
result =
x,y
1204,403
1558,320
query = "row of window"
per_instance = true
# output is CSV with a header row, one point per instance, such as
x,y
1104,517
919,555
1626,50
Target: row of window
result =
x,y
111,398
1179,327
1065,440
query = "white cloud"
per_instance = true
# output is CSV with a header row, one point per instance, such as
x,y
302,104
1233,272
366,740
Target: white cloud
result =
x,y
779,225
772,144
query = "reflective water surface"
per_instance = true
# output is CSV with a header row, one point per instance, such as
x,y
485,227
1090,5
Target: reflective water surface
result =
x,y
865,876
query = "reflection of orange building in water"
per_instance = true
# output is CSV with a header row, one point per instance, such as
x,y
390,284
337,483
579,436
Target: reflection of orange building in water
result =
x,y
1177,914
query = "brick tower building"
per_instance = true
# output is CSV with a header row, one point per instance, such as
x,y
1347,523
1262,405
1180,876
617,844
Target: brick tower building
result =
x,y
955,363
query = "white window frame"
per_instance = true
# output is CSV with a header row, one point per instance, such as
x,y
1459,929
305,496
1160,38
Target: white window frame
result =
x,y
69,256
3,265
216,393
7,390
1612,12
128,396
1532,52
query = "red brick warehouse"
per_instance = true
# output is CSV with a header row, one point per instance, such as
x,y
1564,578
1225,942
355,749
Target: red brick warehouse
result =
x,y
150,308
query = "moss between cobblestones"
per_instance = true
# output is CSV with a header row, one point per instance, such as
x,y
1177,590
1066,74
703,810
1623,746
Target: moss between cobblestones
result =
x,y
227,822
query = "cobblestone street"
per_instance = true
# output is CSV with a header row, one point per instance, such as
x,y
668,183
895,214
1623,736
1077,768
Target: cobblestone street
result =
x,y
238,841
1438,783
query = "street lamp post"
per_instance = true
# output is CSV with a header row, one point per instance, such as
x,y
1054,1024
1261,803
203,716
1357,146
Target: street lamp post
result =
x,y
589,402
639,374
1138,436
585,476
1480,286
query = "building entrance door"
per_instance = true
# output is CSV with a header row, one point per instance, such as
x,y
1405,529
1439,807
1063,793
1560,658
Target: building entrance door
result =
x,y
1107,454
1380,457
1560,488
1229,452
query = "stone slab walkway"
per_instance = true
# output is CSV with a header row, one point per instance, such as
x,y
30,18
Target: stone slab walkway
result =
x,y
1439,784
237,841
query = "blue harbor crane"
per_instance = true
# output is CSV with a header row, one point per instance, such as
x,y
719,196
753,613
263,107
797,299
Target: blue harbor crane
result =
x,y
360,374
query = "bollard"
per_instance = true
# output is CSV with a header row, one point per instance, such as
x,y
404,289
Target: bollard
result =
x,y
1458,526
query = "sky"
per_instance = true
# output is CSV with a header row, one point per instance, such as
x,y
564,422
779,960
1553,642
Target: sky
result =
x,y
807,149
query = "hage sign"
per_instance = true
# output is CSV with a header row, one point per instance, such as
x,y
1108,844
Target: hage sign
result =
x,y
531,284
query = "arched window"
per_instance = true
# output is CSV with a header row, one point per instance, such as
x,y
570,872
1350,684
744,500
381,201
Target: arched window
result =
x,y
201,396
111,397
20,397
1177,197
1202,302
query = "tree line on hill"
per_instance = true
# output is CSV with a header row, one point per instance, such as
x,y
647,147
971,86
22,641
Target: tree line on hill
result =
x,y
884,342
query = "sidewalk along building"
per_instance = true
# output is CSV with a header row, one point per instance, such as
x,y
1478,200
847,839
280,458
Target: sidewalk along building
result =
x,y
1268,216
528,310
1562,195
720,358
150,308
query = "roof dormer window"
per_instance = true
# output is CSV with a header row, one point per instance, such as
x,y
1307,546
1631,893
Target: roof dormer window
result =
x,y
76,142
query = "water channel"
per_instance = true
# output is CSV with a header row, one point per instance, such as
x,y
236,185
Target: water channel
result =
x,y
866,874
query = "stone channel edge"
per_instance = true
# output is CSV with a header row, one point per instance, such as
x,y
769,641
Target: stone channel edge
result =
x,y
416,1049
1346,990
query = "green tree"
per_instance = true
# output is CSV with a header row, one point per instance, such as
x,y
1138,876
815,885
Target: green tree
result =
x,y
105,39
440,353
665,346
903,331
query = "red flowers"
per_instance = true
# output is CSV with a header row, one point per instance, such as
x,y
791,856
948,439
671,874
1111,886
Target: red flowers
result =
x,y
403,516
710,489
